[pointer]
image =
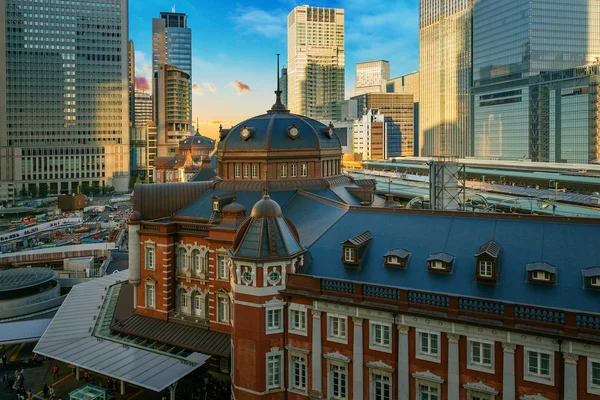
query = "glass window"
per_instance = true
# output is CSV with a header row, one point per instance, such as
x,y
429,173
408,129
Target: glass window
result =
x,y
283,171
293,170
303,170
481,354
237,171
337,327
337,382
150,295
196,262
427,392
485,268
150,257
595,373
222,267
538,364
298,320
299,372
428,343
223,309
380,334
245,171
254,171
273,318
349,254
273,371
382,386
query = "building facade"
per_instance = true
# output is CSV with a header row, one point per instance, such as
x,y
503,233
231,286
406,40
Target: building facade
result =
x,y
371,76
445,74
535,90
172,111
172,44
316,62
409,84
283,84
64,116
192,162
370,135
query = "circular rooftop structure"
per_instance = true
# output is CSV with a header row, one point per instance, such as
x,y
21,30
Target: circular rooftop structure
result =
x,y
21,278
196,141
266,208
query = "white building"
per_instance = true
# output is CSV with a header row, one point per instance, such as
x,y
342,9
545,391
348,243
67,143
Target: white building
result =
x,y
371,76
369,135
64,98
316,62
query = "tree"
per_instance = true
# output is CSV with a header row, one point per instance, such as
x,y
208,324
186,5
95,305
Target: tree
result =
x,y
34,191
23,192
43,189
110,189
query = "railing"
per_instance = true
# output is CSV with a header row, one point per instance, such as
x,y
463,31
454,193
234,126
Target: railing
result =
x,y
146,227
202,229
454,307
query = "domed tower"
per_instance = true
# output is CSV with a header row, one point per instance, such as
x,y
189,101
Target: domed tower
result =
x,y
265,249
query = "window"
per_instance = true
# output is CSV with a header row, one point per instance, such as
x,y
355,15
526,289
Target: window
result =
x,y
216,206
337,328
540,275
338,381
593,375
437,265
538,366
303,170
485,269
254,171
481,355
274,319
298,372
237,171
245,171
273,371
224,364
298,320
595,281
283,171
274,277
150,259
183,300
381,387
428,346
294,170
196,262
150,295
427,392
349,253
181,260
222,267
223,308
380,335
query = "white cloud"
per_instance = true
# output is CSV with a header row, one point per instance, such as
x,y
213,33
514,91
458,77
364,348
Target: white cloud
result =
x,y
143,69
252,20
210,86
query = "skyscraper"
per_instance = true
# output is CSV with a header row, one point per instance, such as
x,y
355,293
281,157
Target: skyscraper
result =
x,y
283,84
408,84
371,76
445,77
533,96
172,44
64,116
316,62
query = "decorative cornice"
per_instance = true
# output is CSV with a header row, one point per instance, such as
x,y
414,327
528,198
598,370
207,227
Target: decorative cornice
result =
x,y
453,337
428,376
509,347
316,314
481,387
337,356
403,329
570,358
379,365
357,321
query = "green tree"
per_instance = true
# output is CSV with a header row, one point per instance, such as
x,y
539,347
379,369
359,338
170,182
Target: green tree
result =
x,y
110,189
23,192
43,189
34,191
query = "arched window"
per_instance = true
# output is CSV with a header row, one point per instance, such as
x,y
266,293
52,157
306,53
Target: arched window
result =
x,y
196,303
181,260
206,305
205,264
196,263
183,300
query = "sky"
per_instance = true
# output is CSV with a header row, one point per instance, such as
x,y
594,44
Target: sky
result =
x,y
234,46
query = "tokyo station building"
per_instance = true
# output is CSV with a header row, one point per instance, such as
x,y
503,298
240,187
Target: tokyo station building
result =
x,y
300,282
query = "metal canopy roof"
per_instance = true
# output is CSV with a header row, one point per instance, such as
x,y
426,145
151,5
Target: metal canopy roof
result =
x,y
18,278
70,338
23,331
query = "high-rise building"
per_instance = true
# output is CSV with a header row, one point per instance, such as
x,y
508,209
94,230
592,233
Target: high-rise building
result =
x,y
371,76
316,62
171,108
370,135
172,44
140,143
408,84
131,64
283,83
534,92
445,77
398,109
143,108
64,117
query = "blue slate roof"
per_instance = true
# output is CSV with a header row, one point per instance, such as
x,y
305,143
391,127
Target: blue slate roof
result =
x,y
569,246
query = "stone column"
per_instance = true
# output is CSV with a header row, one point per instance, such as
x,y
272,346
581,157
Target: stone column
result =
x,y
570,376
122,387
316,355
134,254
77,373
357,362
403,369
453,366
508,371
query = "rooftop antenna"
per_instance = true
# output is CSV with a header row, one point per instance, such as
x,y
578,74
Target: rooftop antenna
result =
x,y
173,9
278,107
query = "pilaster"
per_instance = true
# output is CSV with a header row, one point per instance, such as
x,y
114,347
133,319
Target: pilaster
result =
x,y
403,368
357,364
508,371
453,366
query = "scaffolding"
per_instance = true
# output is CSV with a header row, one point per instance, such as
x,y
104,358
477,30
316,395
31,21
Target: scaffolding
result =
x,y
446,184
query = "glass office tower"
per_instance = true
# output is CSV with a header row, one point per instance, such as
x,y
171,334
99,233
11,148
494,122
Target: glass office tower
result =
x,y
445,77
533,97
64,98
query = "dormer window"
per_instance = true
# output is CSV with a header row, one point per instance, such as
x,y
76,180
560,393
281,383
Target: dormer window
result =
x,y
397,258
218,202
541,272
591,277
355,249
440,262
488,262
216,206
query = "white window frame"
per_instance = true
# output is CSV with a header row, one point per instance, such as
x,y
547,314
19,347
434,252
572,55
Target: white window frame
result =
x,y
245,171
274,356
592,388
182,262
485,266
430,385
237,170
223,319
541,276
150,253
335,319
374,373
197,261
272,315
303,169
293,170
303,365
428,356
538,377
302,314
475,395
222,267
283,170
254,171
437,265
595,281
332,367
349,254
373,345
150,287
480,366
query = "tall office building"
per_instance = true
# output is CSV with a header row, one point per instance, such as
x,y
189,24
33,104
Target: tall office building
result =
x,y
408,84
316,62
143,108
534,88
445,77
172,44
371,76
140,148
64,116
283,83
131,65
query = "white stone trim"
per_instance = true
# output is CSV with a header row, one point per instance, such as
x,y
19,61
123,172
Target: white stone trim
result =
x,y
483,368
337,356
274,309
375,346
533,378
535,397
337,339
293,349
592,389
379,365
295,307
480,387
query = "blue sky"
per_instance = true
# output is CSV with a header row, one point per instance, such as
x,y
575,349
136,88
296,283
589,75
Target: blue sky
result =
x,y
235,43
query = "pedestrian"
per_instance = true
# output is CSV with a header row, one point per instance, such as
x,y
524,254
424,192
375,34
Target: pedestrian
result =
x,y
29,395
46,390
21,380
86,375
51,392
5,379
4,360
55,371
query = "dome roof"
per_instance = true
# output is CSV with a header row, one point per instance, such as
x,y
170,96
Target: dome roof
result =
x,y
234,208
271,132
196,141
266,208
20,278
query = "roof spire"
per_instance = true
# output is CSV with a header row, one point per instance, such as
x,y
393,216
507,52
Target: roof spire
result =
x,y
278,107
